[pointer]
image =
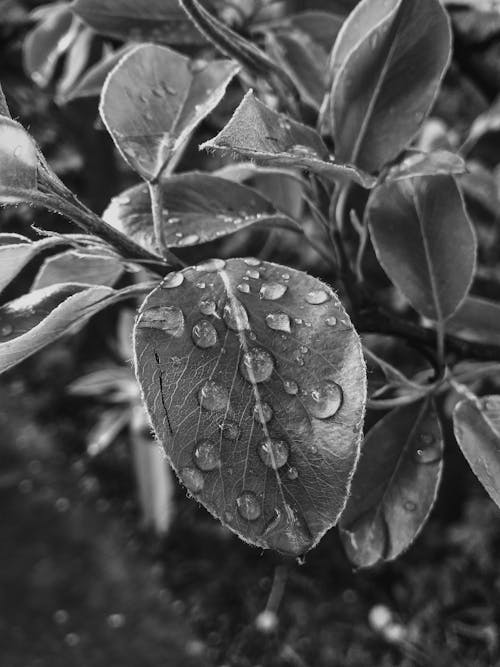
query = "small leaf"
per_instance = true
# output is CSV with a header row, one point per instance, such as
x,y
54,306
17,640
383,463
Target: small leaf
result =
x,y
79,267
254,380
37,319
257,132
198,208
15,253
426,164
161,21
476,423
486,123
394,486
477,319
421,234
18,157
153,99
375,112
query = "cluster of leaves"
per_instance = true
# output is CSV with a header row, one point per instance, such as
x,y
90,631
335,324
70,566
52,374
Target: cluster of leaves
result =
x,y
254,374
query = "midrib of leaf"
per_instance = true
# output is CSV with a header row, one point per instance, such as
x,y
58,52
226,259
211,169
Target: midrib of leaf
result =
x,y
428,260
380,80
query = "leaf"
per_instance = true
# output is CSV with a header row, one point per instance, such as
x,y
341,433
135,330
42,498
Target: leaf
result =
x,y
18,157
198,208
321,27
421,234
79,267
394,486
476,423
4,109
427,164
257,132
75,62
17,252
47,42
477,319
154,98
92,82
375,112
37,319
161,21
254,381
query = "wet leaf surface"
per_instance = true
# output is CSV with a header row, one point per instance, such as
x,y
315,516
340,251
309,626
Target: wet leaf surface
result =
x,y
421,234
255,131
394,486
154,98
255,384
476,423
198,208
375,113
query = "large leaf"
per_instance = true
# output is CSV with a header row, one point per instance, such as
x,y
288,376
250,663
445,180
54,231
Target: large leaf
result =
x,y
18,156
394,486
198,208
424,241
254,380
82,267
35,320
17,252
477,319
388,83
161,21
476,423
153,99
257,132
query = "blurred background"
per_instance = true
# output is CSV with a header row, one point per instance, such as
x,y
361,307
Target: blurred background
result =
x,y
104,559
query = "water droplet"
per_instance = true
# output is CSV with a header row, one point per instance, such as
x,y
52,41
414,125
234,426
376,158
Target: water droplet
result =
x,y
265,413
173,279
235,315
278,322
317,297
303,151
244,288
248,506
257,365
292,473
213,396
6,330
289,534
230,430
290,387
192,479
285,276
201,284
206,455
252,261
331,321
410,506
274,453
228,516
207,307
251,273
303,349
211,265
323,400
168,319
204,334
272,291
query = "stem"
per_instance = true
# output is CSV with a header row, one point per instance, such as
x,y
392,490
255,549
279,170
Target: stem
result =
x,y
440,339
156,195
277,588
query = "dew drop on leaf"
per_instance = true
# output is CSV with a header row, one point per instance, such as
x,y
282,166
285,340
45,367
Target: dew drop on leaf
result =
x,y
252,273
211,265
213,396
252,261
323,400
189,239
230,430
174,279
278,322
204,334
244,288
257,365
207,307
410,506
262,412
206,455
272,291
317,297
292,473
290,387
235,315
192,479
248,506
331,321
169,319
274,453
429,454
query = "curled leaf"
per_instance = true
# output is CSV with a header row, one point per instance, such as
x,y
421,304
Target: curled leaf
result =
x,y
254,381
394,486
